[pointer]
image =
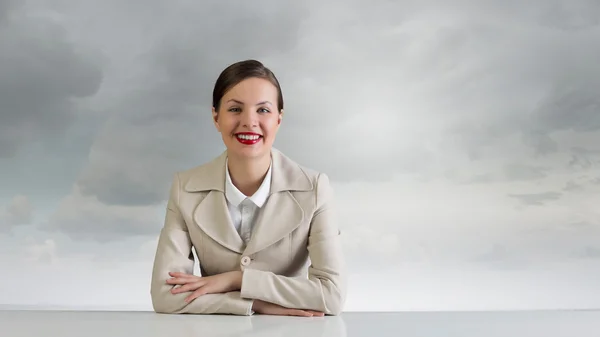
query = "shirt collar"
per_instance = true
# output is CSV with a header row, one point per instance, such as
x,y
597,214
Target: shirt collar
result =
x,y
235,196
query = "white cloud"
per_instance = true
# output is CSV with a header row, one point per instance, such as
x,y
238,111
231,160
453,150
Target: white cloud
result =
x,y
437,222
18,212
44,252
80,283
428,117
84,217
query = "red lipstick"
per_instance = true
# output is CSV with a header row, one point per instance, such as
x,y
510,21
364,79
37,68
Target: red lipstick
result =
x,y
248,138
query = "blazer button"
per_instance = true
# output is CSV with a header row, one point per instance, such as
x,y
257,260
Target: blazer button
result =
x,y
245,261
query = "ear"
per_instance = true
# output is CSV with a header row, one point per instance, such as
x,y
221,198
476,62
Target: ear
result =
x,y
215,116
280,116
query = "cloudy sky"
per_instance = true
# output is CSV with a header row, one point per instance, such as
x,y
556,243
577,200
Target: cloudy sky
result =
x,y
462,139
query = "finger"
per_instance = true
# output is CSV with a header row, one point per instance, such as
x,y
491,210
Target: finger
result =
x,y
178,274
301,313
196,294
316,313
178,280
183,280
187,287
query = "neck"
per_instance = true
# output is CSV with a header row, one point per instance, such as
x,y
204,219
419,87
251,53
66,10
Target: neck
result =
x,y
248,174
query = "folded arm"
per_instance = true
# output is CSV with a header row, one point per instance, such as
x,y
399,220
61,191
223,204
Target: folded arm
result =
x,y
174,254
325,288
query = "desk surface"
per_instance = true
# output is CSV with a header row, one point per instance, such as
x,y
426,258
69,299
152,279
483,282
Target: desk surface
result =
x,y
352,324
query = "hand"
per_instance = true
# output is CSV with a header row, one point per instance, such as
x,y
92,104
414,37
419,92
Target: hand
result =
x,y
267,308
220,283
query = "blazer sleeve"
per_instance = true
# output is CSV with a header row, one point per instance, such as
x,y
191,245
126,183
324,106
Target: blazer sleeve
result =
x,y
174,254
325,288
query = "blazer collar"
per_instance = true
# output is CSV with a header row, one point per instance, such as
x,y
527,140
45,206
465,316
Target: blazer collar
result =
x,y
286,175
236,197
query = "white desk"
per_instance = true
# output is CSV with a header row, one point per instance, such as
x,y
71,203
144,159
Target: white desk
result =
x,y
400,324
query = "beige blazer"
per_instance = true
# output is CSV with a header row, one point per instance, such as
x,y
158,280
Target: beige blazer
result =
x,y
294,257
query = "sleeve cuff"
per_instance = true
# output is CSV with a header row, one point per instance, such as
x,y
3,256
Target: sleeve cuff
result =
x,y
250,312
241,306
250,278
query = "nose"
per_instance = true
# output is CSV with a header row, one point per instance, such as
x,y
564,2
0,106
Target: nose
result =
x,y
249,119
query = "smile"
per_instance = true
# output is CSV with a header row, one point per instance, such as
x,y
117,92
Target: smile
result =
x,y
248,138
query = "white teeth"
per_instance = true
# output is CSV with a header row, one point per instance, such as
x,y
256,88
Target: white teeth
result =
x,y
248,137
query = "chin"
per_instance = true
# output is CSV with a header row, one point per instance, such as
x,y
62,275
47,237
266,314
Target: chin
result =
x,y
245,151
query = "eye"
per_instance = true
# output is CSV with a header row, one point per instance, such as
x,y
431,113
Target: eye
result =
x,y
264,110
234,109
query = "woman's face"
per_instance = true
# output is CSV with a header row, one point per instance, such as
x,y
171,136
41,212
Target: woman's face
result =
x,y
248,118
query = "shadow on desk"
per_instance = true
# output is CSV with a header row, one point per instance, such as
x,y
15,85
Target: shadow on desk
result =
x,y
150,324
559,323
257,325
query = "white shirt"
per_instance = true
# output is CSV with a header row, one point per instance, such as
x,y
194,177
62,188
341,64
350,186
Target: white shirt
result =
x,y
244,210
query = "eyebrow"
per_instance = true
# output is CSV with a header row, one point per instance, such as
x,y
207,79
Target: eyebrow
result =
x,y
259,103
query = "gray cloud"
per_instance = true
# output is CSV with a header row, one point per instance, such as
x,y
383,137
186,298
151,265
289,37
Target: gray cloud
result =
x,y
366,99
572,186
524,172
546,85
570,16
592,252
42,74
440,109
536,199
540,142
6,7
178,66
583,158
164,123
161,122
507,173
476,179
472,84
572,103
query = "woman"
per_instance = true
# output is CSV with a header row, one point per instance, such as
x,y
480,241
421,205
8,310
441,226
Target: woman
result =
x,y
263,227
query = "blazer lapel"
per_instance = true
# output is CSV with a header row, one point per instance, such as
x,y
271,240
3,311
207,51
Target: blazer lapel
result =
x,y
213,217
280,216
212,214
282,213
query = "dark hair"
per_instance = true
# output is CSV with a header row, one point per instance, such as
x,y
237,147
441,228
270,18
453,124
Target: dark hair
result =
x,y
240,71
